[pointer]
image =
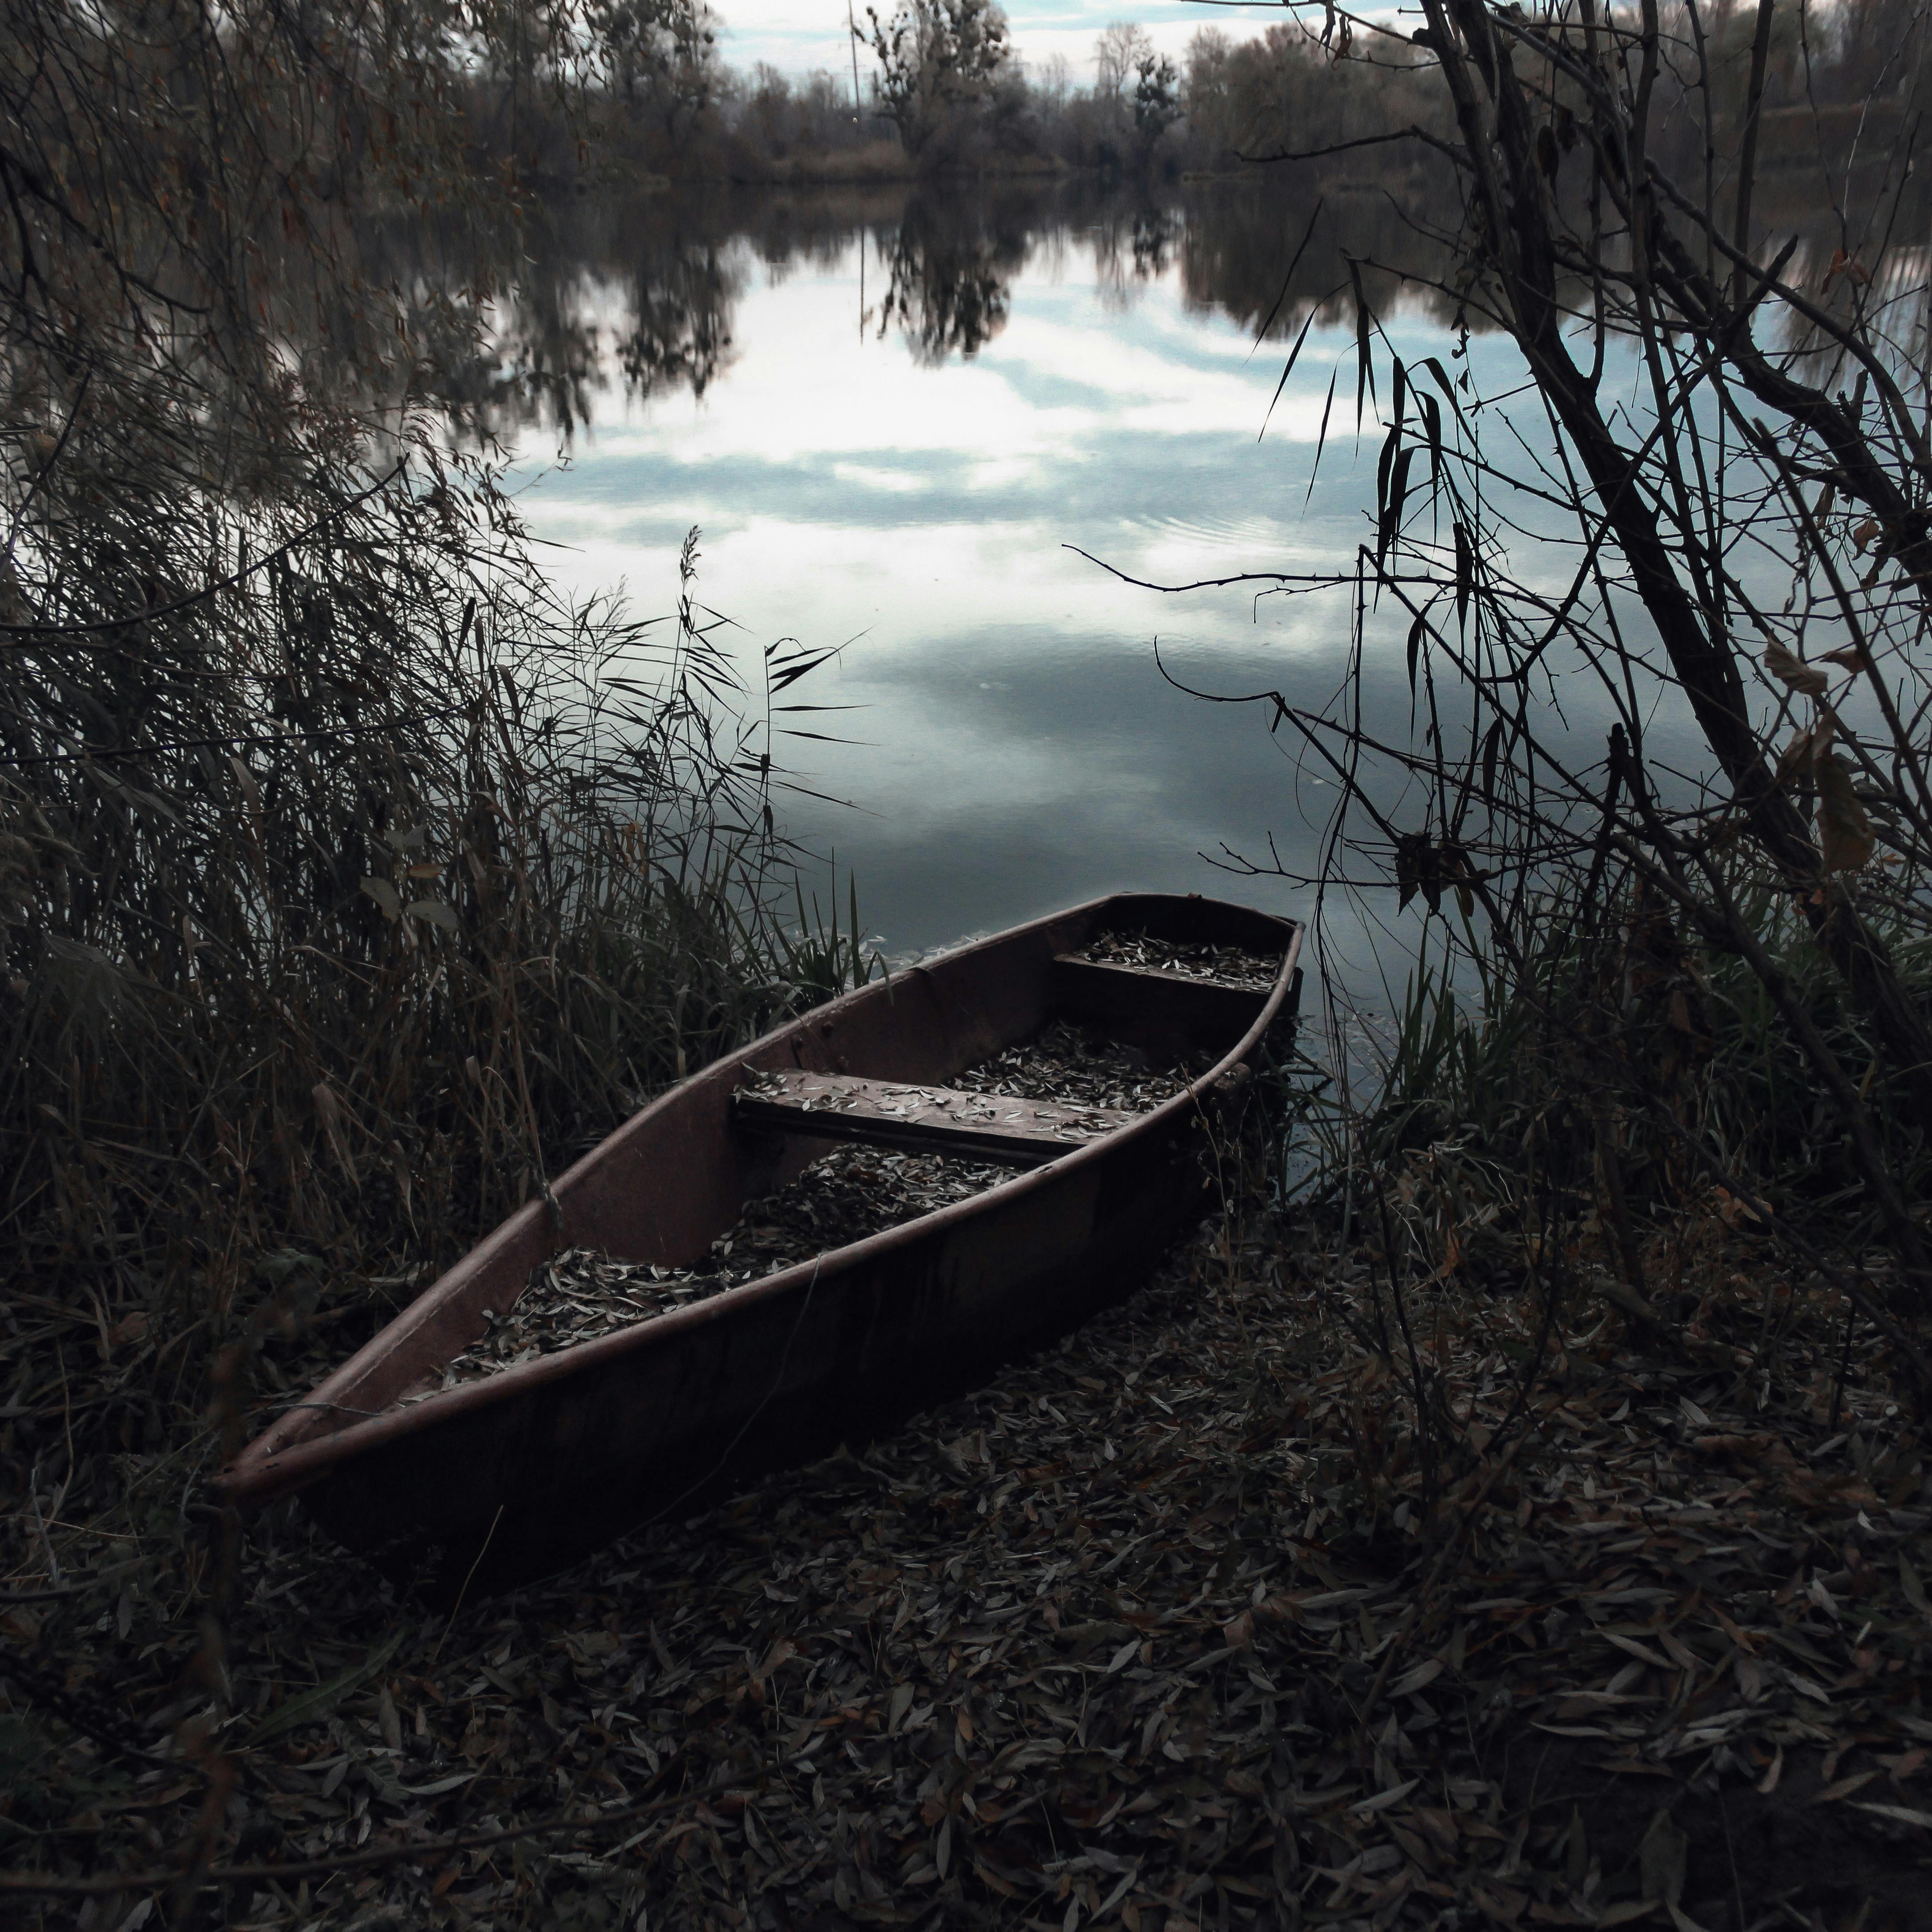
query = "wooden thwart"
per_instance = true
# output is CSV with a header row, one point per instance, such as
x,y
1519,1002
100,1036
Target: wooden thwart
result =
x,y
1162,1013
932,1120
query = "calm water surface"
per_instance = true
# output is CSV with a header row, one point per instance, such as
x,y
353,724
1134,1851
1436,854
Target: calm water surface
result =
x,y
898,437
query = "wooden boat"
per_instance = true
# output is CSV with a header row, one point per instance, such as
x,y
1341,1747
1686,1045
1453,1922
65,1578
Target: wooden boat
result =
x,y
509,1476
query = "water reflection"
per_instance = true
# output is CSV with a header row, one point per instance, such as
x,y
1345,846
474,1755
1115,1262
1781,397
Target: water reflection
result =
x,y
679,325
1133,247
642,291
892,414
645,289
950,266
1264,255
899,420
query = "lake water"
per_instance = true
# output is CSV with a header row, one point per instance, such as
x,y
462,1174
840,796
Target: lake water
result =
x,y
898,427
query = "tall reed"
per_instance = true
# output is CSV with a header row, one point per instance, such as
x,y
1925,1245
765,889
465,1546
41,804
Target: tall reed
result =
x,y
385,885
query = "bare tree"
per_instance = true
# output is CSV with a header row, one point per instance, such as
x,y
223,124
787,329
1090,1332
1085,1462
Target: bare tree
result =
x,y
935,56
1208,51
662,56
1117,54
1714,505
1054,80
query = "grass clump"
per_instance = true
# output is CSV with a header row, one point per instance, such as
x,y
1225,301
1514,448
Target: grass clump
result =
x,y
352,882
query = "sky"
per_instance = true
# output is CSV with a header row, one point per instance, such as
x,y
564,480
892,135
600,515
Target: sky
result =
x,y
800,35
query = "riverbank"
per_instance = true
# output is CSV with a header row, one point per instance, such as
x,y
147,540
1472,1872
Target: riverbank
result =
x,y
882,163
1152,1631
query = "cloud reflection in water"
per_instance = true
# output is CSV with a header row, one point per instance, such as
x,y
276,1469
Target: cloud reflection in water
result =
x,y
908,472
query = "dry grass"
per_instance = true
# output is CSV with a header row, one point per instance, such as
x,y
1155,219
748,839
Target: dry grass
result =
x,y
318,971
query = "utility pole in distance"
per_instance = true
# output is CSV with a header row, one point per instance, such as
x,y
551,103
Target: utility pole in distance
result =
x,y
852,30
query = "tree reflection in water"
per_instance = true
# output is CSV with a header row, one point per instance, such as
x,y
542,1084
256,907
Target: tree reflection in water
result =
x,y
1248,262
1132,247
949,267
679,334
670,267
641,291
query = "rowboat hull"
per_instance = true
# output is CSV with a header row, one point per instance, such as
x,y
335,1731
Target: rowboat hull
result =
x,y
512,1476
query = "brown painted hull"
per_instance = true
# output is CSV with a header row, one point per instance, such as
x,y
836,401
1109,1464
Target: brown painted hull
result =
x,y
534,1466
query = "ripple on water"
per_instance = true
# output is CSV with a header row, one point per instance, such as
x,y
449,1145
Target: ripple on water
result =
x,y
1252,536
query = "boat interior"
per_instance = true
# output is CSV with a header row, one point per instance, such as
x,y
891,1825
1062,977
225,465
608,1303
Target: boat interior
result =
x,y
874,1067
867,1074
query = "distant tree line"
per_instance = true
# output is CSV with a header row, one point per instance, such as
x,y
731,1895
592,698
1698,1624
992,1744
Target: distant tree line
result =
x,y
937,87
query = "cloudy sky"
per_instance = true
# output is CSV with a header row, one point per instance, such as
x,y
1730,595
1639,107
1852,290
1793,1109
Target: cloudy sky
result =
x,y
800,35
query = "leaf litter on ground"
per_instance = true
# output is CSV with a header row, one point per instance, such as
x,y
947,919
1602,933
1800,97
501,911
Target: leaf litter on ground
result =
x,y
1094,1644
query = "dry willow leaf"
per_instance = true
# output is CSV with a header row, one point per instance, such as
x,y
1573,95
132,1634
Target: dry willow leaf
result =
x,y
1226,965
1086,1644
1803,750
1844,832
1794,671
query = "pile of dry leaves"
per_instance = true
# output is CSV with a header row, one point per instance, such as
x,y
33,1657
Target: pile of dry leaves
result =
x,y
1151,1632
1231,965
1067,1065
852,1192
580,1294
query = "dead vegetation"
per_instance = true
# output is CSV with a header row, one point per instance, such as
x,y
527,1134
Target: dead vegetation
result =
x,y
1529,1533
1227,965
1390,1560
1158,1630
1066,1065
842,1197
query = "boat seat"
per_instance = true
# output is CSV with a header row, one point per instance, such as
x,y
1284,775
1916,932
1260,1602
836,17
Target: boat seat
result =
x,y
926,1119
1162,1013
